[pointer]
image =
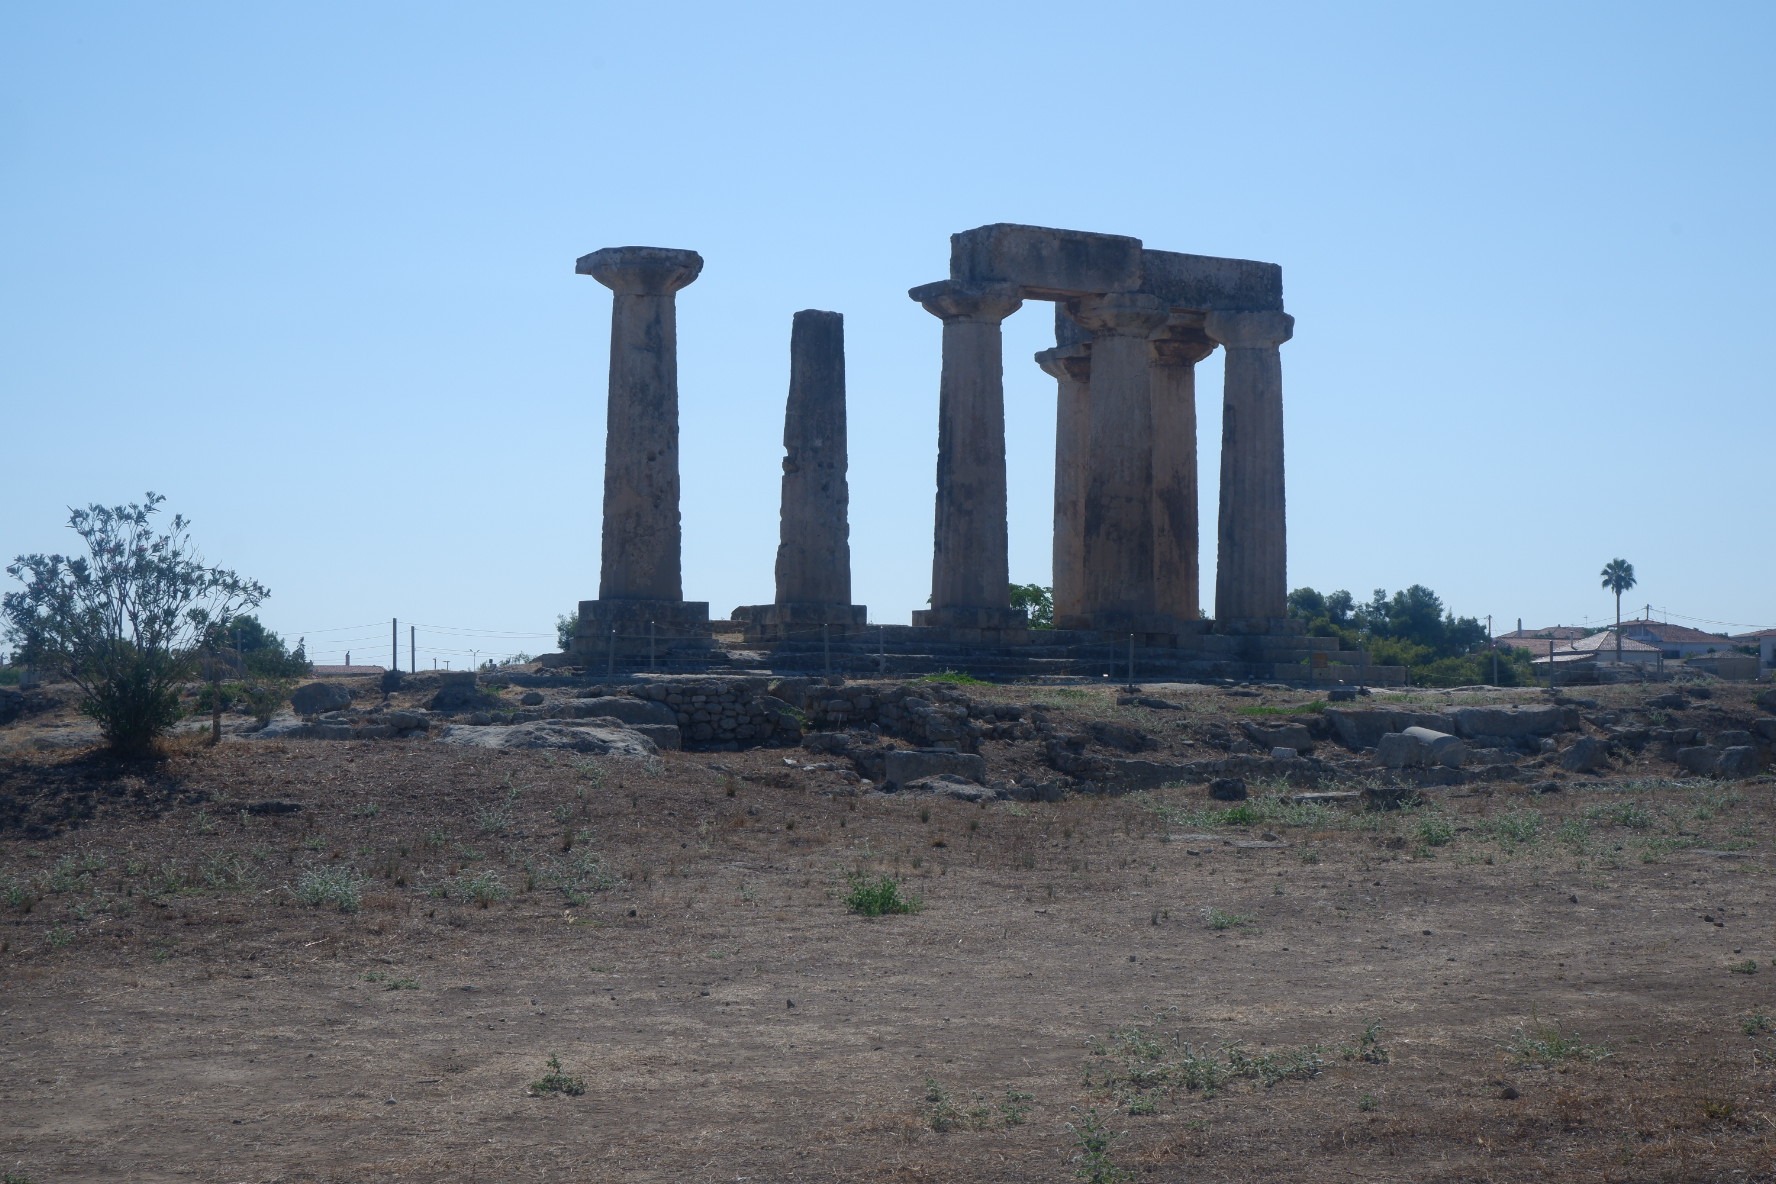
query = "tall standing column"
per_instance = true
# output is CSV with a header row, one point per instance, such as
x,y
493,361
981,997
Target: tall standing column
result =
x,y
814,551
1176,548
1119,469
1071,368
1251,570
970,567
641,520
640,606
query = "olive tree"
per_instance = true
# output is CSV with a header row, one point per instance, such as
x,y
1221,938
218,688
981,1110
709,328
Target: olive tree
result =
x,y
127,622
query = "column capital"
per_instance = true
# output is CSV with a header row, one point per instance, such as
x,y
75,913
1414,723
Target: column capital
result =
x,y
1182,342
1069,363
1119,314
1250,330
641,271
955,300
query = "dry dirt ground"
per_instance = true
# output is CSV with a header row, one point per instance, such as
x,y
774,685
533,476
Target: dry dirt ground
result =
x,y
1494,986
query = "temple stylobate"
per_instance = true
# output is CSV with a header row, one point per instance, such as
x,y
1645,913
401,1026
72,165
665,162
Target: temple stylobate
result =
x,y
1131,325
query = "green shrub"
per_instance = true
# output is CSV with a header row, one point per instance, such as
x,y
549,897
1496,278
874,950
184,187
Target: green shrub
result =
x,y
878,897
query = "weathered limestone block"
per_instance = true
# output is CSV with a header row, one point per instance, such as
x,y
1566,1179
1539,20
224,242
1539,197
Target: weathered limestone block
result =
x,y
1511,722
1702,758
315,697
1294,736
1358,728
1207,283
1586,755
1045,262
1741,760
907,765
625,708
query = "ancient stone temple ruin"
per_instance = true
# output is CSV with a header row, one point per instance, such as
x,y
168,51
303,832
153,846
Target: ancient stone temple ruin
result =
x,y
1131,324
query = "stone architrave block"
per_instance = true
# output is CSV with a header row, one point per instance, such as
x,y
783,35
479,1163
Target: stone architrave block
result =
x,y
904,766
1513,723
1044,262
1209,283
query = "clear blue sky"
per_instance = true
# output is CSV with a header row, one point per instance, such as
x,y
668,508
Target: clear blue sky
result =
x,y
307,269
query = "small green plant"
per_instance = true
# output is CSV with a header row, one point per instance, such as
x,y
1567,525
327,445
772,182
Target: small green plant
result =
x,y
483,888
15,1178
878,896
390,982
941,1114
956,678
1366,1103
1015,1108
1749,966
60,938
1092,1140
1435,831
1546,1044
496,819
1218,920
1368,1048
332,887
555,1081
1758,1023
366,810
1313,708
1516,828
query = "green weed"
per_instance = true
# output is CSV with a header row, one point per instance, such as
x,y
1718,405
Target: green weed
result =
x,y
1749,966
1092,1141
1218,920
878,897
555,1081
1546,1044
333,887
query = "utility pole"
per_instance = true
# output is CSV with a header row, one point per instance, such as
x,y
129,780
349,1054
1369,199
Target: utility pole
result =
x,y
412,650
1493,646
394,644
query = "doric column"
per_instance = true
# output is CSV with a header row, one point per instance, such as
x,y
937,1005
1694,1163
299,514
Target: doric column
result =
x,y
1119,468
1176,582
641,520
970,569
1071,368
1251,572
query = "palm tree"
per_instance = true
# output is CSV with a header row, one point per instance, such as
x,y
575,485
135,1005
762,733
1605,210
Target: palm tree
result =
x,y
1618,577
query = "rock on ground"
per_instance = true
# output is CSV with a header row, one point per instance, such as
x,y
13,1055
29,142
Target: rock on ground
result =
x,y
316,697
601,740
904,766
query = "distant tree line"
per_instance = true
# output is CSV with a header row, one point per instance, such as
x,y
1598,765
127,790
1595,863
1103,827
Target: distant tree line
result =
x,y
1411,628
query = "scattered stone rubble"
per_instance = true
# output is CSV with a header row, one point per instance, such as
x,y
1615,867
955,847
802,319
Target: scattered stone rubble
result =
x,y
926,736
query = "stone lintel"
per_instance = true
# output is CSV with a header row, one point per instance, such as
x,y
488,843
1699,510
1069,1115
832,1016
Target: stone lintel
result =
x,y
1206,282
1046,263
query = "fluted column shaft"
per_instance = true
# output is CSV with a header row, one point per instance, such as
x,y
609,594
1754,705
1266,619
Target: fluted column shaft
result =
x,y
1176,546
1119,470
1071,368
1251,573
642,538
970,567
